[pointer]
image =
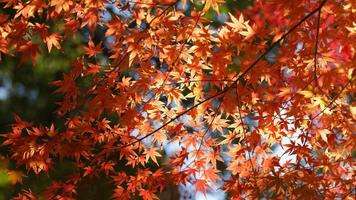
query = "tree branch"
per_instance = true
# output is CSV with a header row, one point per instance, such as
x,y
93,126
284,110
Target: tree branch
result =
x,y
334,99
226,89
316,47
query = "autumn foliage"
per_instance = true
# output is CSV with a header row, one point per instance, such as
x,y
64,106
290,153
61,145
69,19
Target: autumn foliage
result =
x,y
262,104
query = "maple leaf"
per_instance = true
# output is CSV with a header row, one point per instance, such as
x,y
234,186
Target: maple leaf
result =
x,y
29,50
352,29
237,25
38,166
212,4
201,185
93,69
191,141
92,49
324,134
235,167
147,194
164,74
88,171
152,153
51,131
320,102
121,193
108,167
4,47
241,26
53,40
211,175
285,92
26,195
219,123
248,32
306,93
68,84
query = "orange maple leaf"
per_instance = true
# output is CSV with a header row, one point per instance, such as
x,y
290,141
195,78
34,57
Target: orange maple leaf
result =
x,y
53,40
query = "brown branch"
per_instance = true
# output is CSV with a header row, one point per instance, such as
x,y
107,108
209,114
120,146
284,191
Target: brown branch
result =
x,y
201,80
334,99
206,131
316,47
284,107
240,114
173,63
226,89
151,4
141,38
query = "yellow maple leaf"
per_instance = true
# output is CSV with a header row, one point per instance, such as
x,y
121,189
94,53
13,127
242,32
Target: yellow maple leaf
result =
x,y
248,32
153,154
306,93
237,25
323,134
285,92
53,40
352,29
212,4
353,111
318,101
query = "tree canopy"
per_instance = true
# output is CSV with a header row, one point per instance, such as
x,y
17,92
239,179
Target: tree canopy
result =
x,y
257,99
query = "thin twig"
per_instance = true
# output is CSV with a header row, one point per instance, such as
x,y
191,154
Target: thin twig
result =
x,y
334,99
173,63
316,47
201,80
240,115
141,38
206,132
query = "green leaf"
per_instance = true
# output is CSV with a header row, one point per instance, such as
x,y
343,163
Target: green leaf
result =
x,y
234,67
